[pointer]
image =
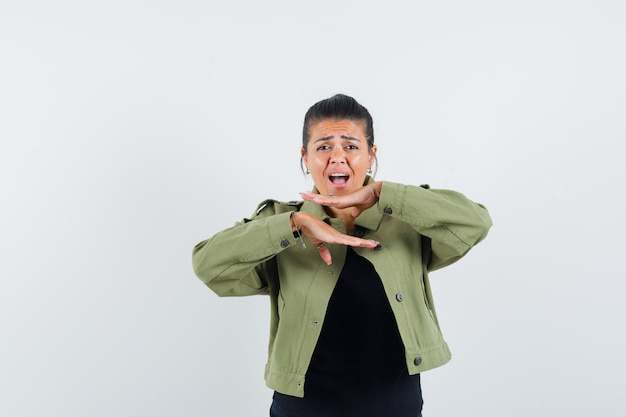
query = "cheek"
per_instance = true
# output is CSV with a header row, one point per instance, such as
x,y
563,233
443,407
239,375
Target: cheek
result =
x,y
317,160
360,161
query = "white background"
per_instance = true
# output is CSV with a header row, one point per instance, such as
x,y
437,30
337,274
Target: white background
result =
x,y
131,130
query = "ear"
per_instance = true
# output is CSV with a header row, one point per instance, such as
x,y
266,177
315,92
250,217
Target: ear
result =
x,y
373,151
303,154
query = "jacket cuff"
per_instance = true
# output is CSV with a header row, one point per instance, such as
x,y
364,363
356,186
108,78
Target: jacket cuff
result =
x,y
279,230
391,199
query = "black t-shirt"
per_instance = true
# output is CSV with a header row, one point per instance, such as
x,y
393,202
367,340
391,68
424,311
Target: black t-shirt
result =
x,y
358,367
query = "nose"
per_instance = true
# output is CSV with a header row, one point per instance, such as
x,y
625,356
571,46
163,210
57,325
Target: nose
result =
x,y
338,156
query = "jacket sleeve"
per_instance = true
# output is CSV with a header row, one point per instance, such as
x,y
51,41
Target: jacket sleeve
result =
x,y
240,260
452,222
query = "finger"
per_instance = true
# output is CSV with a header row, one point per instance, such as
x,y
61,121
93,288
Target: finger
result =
x,y
321,199
371,243
364,243
325,254
307,195
356,212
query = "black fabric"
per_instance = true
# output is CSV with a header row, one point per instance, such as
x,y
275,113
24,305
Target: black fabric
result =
x,y
358,367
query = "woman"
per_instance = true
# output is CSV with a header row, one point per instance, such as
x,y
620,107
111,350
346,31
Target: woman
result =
x,y
353,322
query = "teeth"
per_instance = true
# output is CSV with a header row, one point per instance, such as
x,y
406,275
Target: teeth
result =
x,y
338,178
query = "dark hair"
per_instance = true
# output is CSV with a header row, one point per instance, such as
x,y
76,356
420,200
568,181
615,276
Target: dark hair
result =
x,y
338,107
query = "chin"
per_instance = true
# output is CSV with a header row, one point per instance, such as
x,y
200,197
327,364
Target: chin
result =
x,y
340,190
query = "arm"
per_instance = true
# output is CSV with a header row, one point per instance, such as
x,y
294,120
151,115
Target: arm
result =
x,y
452,222
239,260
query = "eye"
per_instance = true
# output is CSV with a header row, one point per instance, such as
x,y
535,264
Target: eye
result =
x,y
323,148
352,147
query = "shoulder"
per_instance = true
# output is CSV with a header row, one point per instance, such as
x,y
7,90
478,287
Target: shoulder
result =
x,y
271,207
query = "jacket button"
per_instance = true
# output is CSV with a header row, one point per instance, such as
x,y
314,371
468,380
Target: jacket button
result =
x,y
284,243
359,233
418,361
388,210
399,297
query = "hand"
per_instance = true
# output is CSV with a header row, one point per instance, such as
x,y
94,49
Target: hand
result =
x,y
320,233
360,200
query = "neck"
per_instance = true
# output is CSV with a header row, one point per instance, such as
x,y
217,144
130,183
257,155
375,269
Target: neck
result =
x,y
344,215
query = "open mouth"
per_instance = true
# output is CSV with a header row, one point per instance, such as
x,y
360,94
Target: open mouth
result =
x,y
339,179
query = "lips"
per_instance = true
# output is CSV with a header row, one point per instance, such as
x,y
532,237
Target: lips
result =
x,y
339,178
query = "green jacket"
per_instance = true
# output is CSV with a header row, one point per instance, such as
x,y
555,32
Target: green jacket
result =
x,y
419,230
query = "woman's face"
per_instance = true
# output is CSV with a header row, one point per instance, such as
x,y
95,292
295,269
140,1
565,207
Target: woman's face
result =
x,y
338,156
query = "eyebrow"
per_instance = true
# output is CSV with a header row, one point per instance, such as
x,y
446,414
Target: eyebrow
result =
x,y
342,137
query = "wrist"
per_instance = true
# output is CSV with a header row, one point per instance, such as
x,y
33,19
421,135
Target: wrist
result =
x,y
376,188
295,228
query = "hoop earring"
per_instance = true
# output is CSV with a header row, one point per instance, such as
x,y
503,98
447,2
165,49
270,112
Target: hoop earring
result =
x,y
372,171
307,172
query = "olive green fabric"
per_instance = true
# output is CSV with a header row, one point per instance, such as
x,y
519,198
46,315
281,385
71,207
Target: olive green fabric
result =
x,y
419,230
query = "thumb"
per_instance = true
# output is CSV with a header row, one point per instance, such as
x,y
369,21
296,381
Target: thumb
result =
x,y
325,255
356,212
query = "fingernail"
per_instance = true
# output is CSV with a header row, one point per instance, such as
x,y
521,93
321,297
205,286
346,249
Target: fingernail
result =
x,y
328,263
378,245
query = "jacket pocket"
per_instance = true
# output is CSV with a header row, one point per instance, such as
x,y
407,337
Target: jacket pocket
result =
x,y
280,303
428,301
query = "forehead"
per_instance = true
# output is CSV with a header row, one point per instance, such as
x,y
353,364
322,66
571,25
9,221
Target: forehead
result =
x,y
337,127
